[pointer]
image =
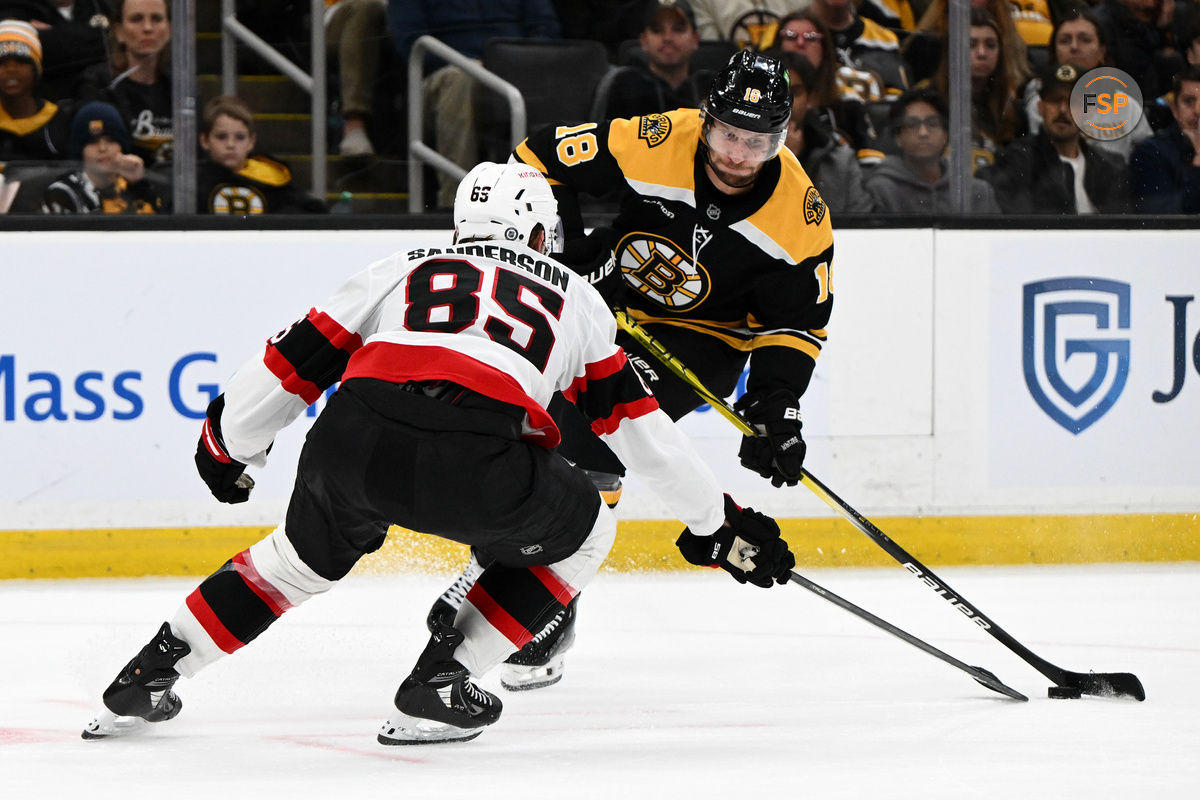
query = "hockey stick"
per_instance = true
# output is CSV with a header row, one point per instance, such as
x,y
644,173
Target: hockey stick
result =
x,y
983,676
1105,684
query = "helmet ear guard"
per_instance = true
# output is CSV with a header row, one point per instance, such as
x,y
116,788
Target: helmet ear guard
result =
x,y
509,203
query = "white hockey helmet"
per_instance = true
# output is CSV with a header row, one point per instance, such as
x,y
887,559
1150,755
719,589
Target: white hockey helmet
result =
x,y
506,202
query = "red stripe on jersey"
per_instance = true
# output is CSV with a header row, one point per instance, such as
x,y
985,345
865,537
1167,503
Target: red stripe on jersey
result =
x,y
212,445
274,599
497,617
595,371
398,363
212,626
633,410
332,330
562,591
282,369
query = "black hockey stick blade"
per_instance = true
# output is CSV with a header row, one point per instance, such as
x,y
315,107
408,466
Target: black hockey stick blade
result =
x,y
1103,684
982,676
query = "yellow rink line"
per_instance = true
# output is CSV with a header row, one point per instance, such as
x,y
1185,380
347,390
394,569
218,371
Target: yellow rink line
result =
x,y
640,545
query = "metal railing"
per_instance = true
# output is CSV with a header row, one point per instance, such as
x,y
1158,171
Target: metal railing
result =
x,y
234,32
419,153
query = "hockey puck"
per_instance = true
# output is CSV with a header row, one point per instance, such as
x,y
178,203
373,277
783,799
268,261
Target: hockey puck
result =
x,y
1064,693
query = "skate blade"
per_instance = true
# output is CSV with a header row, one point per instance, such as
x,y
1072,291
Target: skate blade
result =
x,y
108,725
403,729
522,678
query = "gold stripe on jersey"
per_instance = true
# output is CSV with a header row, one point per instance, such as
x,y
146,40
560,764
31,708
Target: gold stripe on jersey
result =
x,y
739,336
876,36
527,156
793,224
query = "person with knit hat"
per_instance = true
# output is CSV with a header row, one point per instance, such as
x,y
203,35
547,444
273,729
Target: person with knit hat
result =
x,y
111,180
31,128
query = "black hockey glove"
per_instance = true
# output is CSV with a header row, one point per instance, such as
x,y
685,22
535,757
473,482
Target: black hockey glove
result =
x,y
748,548
778,452
593,258
224,475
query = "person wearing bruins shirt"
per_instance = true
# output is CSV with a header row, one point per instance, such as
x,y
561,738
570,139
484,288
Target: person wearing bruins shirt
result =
x,y
722,248
31,128
234,179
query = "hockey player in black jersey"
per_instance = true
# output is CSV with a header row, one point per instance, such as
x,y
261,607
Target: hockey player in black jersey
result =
x,y
447,358
722,248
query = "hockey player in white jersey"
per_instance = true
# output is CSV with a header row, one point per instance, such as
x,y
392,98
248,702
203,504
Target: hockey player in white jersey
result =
x,y
447,358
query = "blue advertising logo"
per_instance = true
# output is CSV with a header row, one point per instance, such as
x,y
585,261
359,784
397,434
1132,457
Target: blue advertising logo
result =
x,y
1049,307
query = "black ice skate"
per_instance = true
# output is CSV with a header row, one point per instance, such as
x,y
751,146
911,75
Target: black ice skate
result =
x,y
540,663
445,608
141,693
438,702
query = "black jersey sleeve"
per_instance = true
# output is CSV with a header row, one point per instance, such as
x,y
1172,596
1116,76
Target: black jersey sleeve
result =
x,y
790,310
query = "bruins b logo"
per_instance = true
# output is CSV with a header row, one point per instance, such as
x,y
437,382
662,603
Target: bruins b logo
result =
x,y
814,206
660,270
237,200
655,129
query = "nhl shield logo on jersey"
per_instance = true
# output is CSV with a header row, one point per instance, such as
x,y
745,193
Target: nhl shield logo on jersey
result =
x,y
655,129
814,206
661,271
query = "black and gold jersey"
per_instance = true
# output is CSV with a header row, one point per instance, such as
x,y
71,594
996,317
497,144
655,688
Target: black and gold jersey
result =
x,y
752,270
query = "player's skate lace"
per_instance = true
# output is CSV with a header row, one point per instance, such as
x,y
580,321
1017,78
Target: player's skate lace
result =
x,y
456,593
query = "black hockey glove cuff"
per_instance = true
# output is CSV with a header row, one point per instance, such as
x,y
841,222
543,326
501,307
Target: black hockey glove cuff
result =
x,y
593,258
778,452
748,548
224,475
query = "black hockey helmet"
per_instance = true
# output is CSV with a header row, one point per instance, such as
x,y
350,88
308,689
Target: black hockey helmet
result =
x,y
751,93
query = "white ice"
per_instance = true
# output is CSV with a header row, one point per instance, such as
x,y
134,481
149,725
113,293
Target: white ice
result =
x,y
680,685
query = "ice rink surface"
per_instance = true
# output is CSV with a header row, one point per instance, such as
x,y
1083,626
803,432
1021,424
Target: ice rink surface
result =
x,y
680,685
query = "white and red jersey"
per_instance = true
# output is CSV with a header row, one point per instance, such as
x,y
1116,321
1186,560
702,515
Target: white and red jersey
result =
x,y
500,319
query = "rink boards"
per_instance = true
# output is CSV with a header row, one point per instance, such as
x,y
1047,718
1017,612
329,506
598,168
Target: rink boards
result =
x,y
985,397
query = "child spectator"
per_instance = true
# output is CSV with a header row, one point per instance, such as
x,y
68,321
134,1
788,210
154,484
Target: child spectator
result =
x,y
112,180
136,78
31,128
73,34
1058,170
916,182
234,179
1166,167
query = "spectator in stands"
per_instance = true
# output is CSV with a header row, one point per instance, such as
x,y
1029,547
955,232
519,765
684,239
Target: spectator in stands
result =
x,y
916,182
136,77
1139,34
355,32
841,93
111,180
1080,40
665,81
746,23
1057,170
73,36
996,119
1166,167
236,180
1034,21
448,90
31,127
924,50
830,163
864,44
